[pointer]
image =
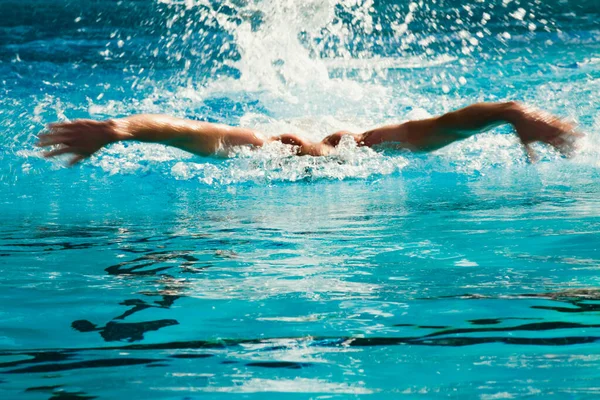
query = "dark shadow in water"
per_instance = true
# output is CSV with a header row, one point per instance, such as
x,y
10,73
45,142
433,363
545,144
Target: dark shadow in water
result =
x,y
49,232
72,396
432,339
421,326
135,251
171,290
578,299
39,357
61,394
140,305
46,361
103,363
157,262
328,342
156,365
469,341
279,364
433,327
496,321
314,342
135,266
579,308
52,361
486,321
43,388
538,326
57,246
580,294
52,238
131,332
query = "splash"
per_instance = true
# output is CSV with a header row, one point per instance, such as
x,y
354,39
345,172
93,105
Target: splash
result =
x,y
312,68
270,164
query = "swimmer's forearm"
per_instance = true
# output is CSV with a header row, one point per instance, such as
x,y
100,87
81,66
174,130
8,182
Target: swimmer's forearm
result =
x,y
478,118
434,133
154,128
197,137
83,138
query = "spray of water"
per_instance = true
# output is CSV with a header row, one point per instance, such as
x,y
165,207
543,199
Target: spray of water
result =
x,y
314,67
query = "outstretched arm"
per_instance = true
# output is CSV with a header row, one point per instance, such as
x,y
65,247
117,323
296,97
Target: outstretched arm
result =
x,y
430,134
85,137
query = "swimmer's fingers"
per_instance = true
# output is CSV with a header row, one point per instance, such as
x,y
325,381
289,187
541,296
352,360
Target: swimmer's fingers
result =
x,y
56,134
51,139
532,156
72,129
72,125
567,143
82,138
76,159
59,151
77,155
63,132
59,125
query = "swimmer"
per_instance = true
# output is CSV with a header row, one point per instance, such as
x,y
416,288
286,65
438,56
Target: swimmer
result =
x,y
82,138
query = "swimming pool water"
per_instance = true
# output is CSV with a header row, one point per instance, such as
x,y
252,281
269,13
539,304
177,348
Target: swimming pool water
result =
x,y
150,273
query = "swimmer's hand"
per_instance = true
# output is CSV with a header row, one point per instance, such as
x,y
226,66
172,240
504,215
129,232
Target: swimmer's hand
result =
x,y
538,126
82,138
304,147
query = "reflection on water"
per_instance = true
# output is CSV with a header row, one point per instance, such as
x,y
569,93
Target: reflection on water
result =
x,y
205,293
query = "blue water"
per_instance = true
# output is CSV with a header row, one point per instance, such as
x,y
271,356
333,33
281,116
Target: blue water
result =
x,y
150,273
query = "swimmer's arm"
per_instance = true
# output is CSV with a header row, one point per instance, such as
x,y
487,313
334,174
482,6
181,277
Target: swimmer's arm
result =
x,y
202,138
82,138
434,133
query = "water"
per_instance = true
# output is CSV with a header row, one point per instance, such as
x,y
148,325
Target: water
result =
x,y
150,273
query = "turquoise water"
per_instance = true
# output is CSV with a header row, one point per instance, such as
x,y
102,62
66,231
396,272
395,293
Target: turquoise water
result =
x,y
150,273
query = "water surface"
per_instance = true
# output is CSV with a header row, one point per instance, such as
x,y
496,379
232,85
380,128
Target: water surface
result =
x,y
150,273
